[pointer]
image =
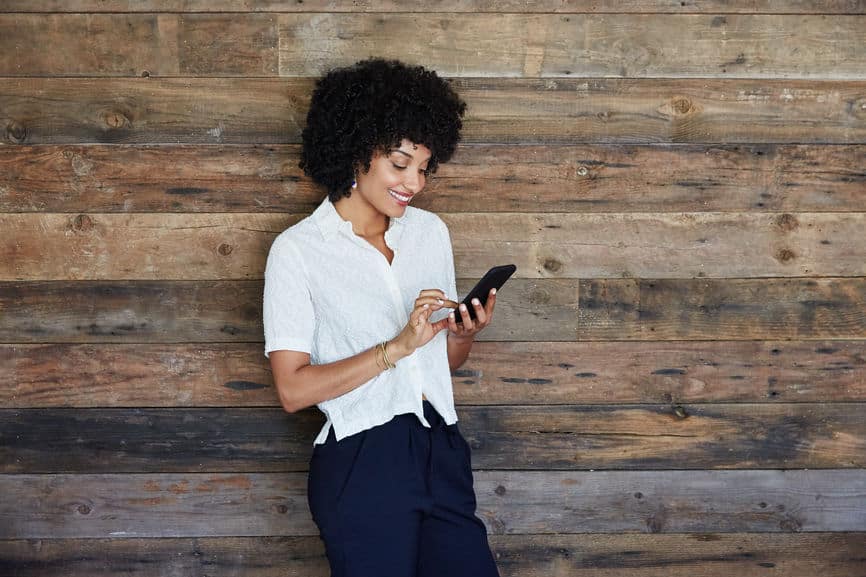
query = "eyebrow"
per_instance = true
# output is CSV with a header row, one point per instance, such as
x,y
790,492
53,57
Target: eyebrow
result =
x,y
401,152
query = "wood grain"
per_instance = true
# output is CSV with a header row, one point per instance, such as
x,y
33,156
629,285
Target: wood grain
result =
x,y
527,310
712,309
509,502
582,45
496,373
600,555
221,246
500,110
227,311
495,45
578,179
574,437
529,6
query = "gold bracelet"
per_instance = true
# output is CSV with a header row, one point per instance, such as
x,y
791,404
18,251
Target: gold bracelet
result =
x,y
376,355
388,362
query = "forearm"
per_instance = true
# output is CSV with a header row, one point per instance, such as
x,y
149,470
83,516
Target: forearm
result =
x,y
314,384
458,351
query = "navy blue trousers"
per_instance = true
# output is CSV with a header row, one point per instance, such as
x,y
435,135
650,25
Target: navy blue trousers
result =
x,y
397,500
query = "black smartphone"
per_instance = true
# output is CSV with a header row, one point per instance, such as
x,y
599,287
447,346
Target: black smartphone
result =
x,y
494,278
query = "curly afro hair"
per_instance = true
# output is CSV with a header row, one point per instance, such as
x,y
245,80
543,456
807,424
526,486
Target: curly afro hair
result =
x,y
371,107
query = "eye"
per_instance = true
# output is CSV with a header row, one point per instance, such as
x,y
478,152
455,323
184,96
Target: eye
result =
x,y
398,167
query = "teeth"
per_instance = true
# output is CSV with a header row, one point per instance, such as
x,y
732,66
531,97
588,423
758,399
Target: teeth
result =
x,y
399,196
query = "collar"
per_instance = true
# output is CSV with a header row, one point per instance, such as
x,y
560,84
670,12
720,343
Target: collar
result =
x,y
330,223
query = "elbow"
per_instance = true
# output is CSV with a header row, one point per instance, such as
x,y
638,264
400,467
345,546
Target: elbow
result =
x,y
288,400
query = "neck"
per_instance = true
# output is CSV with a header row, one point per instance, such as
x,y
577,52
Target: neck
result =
x,y
366,220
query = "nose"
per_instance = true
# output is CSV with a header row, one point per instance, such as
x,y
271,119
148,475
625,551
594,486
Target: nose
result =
x,y
414,182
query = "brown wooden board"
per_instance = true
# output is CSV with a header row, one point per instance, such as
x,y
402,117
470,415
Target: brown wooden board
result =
x,y
503,44
601,555
738,309
500,110
542,245
577,437
509,502
572,6
578,179
550,373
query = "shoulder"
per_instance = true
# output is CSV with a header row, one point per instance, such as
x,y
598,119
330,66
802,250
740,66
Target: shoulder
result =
x,y
294,239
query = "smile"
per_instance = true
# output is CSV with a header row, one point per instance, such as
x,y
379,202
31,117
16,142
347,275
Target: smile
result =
x,y
401,198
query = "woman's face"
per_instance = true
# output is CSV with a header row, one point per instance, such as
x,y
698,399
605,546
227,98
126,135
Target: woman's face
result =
x,y
394,178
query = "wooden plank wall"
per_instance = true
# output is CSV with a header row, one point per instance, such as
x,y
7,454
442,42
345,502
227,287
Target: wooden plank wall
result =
x,y
675,383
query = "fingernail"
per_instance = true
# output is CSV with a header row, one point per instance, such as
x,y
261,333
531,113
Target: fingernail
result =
x,y
476,302
451,315
426,306
493,291
462,307
440,301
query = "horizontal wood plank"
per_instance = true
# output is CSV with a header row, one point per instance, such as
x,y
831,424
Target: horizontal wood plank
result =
x,y
527,310
543,245
572,6
604,555
578,437
502,110
585,45
494,45
712,309
509,502
496,373
502,178
228,311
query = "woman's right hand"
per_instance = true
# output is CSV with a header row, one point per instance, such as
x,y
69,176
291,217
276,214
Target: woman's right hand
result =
x,y
419,331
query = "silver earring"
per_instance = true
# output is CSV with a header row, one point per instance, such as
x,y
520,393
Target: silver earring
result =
x,y
354,184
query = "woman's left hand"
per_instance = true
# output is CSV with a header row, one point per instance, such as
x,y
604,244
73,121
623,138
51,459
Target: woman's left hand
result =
x,y
469,328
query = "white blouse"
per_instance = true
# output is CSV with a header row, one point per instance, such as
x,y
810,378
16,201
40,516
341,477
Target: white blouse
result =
x,y
330,293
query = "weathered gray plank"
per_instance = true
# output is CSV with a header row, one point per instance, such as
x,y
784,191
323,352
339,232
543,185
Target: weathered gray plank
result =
x,y
579,437
228,311
509,502
641,555
738,309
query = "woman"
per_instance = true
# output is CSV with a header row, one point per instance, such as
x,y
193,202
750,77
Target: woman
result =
x,y
357,321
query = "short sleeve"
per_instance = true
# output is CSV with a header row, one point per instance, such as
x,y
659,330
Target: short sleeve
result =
x,y
287,306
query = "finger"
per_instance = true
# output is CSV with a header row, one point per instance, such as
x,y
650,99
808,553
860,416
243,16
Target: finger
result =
x,y
432,293
480,313
436,302
491,302
416,318
467,320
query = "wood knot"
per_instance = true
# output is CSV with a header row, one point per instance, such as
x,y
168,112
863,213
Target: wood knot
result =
x,y
681,105
785,255
115,119
16,133
225,249
282,509
552,265
787,222
82,223
680,412
638,495
582,171
84,509
539,296
858,108
500,490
